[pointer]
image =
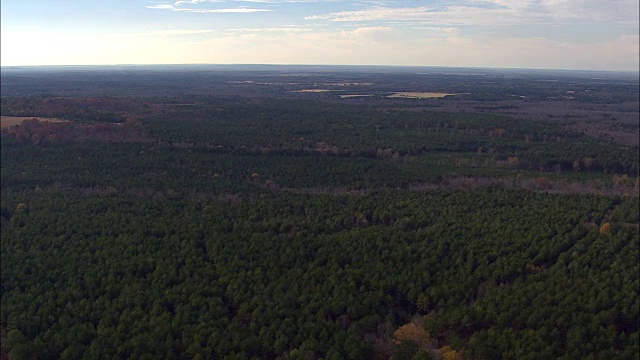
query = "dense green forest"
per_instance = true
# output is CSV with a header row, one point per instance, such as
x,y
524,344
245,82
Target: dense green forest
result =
x,y
498,273
225,227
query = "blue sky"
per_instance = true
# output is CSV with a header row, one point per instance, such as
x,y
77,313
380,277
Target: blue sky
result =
x,y
561,34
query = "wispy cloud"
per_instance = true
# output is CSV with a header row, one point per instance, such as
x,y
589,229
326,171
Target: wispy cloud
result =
x,y
175,32
417,13
179,6
161,6
221,11
194,2
285,1
497,12
291,29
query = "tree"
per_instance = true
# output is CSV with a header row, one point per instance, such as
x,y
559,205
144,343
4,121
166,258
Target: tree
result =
x,y
605,229
412,332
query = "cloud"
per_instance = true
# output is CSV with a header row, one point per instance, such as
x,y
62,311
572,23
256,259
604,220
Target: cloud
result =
x,y
162,6
175,32
221,11
178,6
285,1
610,10
498,13
273,29
194,2
417,13
450,15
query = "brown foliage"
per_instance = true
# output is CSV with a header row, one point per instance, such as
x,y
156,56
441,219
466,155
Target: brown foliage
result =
x,y
498,133
413,332
448,353
38,132
605,229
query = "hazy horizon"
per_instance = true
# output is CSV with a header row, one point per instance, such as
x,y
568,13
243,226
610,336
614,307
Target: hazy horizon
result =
x,y
316,67
525,34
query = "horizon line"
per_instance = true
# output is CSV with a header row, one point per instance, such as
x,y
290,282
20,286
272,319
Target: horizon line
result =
x,y
318,65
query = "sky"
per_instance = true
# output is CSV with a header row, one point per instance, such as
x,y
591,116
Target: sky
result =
x,y
541,34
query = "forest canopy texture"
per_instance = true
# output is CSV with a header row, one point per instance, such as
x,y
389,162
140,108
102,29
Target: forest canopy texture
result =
x,y
226,219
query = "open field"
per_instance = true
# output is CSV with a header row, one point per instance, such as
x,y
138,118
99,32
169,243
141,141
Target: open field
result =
x,y
7,121
599,105
418,95
348,84
314,90
354,95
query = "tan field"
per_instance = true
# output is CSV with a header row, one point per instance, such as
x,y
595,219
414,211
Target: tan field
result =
x,y
6,121
349,83
314,90
353,95
418,95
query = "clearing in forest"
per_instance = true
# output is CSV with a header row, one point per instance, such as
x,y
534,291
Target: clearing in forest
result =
x,y
348,83
7,121
354,95
314,90
418,95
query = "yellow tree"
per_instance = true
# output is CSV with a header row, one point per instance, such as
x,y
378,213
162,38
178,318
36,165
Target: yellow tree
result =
x,y
448,353
605,229
412,332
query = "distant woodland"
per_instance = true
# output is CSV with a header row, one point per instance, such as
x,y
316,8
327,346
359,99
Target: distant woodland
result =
x,y
250,221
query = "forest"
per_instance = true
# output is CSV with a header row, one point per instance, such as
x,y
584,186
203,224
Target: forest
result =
x,y
226,220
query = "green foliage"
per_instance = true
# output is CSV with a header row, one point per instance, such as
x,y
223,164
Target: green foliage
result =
x,y
407,350
227,236
282,272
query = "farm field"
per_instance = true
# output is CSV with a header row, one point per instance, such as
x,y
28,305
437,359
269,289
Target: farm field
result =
x,y
354,95
315,90
6,121
418,95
